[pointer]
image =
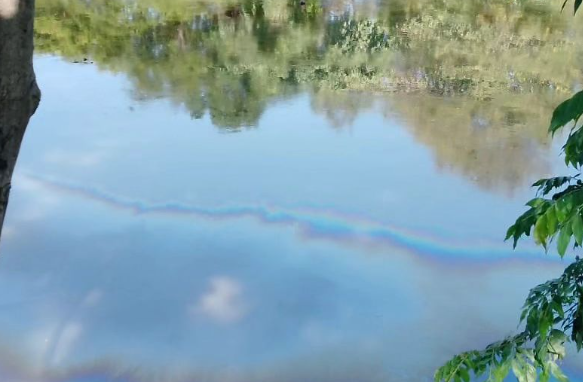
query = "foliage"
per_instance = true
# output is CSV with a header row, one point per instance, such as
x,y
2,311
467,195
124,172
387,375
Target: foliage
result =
x,y
558,213
553,316
553,312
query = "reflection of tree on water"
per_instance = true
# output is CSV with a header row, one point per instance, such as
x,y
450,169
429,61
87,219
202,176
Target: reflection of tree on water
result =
x,y
341,108
229,60
495,143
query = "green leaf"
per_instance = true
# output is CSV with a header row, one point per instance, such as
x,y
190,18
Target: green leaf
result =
x,y
547,185
532,322
558,307
464,374
564,240
577,5
556,343
569,110
577,227
573,148
577,329
551,216
545,376
499,372
536,202
523,315
524,371
541,231
518,370
530,373
524,223
565,3
561,211
545,321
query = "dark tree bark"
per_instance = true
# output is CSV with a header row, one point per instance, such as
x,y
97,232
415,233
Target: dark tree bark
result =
x,y
19,93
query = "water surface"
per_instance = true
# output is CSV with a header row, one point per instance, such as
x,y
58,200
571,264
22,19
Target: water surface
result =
x,y
274,192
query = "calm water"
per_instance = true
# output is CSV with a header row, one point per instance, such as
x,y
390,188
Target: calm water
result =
x,y
274,192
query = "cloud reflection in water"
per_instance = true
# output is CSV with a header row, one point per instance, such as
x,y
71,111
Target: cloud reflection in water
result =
x,y
222,302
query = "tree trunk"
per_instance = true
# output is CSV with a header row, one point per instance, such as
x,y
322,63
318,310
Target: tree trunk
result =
x,y
19,93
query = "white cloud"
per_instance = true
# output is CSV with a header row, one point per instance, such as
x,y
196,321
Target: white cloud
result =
x,y
40,201
38,342
93,297
78,159
66,341
222,302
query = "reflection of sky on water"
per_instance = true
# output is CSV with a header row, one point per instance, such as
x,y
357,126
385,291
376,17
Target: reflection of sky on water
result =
x,y
93,291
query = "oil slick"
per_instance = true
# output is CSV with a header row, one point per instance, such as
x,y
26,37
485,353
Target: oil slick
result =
x,y
314,223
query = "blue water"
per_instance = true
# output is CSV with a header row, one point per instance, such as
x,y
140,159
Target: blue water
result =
x,y
143,245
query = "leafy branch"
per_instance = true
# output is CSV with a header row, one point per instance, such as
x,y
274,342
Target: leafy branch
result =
x,y
552,315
